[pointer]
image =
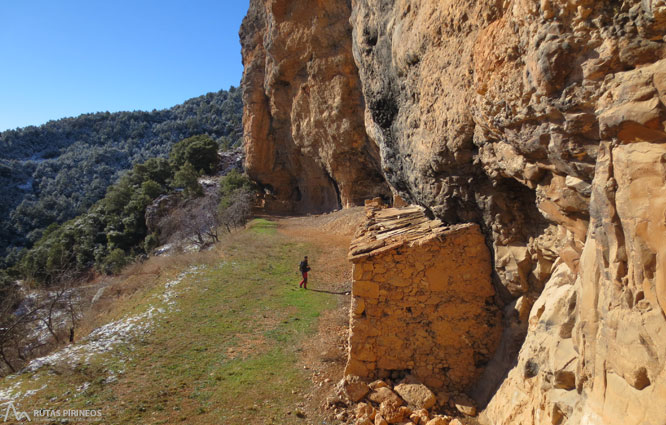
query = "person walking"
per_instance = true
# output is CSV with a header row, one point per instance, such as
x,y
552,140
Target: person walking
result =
x,y
304,268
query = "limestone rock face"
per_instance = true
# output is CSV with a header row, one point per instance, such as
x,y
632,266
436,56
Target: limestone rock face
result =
x,y
159,209
305,139
541,121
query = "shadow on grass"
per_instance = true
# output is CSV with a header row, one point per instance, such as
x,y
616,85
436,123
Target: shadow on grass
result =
x,y
330,292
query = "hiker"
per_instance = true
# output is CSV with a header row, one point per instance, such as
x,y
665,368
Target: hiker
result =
x,y
304,268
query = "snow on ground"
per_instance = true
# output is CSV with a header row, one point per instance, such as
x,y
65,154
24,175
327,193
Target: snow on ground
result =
x,y
163,250
102,340
10,393
99,341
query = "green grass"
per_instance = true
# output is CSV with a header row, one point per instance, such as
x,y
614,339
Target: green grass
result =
x,y
262,226
228,354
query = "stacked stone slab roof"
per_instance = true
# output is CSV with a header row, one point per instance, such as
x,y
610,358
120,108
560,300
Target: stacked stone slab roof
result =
x,y
390,228
421,299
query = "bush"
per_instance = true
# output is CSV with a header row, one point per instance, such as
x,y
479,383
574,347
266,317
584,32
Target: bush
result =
x,y
151,242
199,151
6,285
152,189
232,183
115,261
186,178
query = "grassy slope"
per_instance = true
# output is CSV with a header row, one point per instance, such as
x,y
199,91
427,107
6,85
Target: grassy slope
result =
x,y
227,352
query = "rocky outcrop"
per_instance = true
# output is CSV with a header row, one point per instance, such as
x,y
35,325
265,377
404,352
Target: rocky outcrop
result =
x,y
305,138
230,161
160,208
538,120
543,122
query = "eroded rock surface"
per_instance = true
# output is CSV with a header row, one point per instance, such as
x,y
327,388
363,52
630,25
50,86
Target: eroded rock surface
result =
x,y
510,114
305,138
543,122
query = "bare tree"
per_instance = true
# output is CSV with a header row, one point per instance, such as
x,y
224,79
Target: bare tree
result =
x,y
18,316
195,219
238,209
61,309
32,324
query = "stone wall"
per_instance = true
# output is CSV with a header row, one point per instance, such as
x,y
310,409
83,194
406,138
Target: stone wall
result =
x,y
422,300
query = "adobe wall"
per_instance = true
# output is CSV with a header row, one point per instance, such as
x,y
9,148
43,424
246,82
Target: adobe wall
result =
x,y
425,306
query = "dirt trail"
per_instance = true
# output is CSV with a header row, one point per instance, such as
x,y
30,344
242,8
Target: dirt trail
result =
x,y
325,354
331,235
217,352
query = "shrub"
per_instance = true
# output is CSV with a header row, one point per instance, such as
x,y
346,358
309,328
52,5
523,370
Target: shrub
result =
x,y
115,261
186,178
199,151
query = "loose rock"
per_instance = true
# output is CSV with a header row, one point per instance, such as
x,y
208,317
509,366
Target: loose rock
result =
x,y
383,394
417,395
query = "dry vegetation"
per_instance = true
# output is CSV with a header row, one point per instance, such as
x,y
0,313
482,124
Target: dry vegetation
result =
x,y
240,343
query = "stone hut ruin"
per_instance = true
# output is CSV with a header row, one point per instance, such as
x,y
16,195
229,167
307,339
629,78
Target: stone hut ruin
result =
x,y
422,299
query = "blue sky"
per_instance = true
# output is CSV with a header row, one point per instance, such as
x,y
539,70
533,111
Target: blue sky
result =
x,y
62,58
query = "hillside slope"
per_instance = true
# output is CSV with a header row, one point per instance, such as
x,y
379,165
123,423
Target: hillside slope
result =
x,y
220,337
54,172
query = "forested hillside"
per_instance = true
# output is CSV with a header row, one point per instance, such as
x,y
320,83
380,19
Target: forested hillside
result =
x,y
54,172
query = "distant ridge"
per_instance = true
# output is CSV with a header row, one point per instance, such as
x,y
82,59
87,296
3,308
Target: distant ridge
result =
x,y
53,172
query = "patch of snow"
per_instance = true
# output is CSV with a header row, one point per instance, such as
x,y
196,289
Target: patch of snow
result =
x,y
33,392
191,248
99,341
111,378
163,250
105,338
102,340
98,295
208,182
10,392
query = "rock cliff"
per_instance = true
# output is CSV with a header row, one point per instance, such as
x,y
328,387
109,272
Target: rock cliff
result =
x,y
303,119
542,121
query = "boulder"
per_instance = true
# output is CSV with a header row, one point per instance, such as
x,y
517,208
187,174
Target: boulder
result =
x,y
465,405
383,394
420,417
379,420
365,410
378,384
393,412
355,388
417,395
